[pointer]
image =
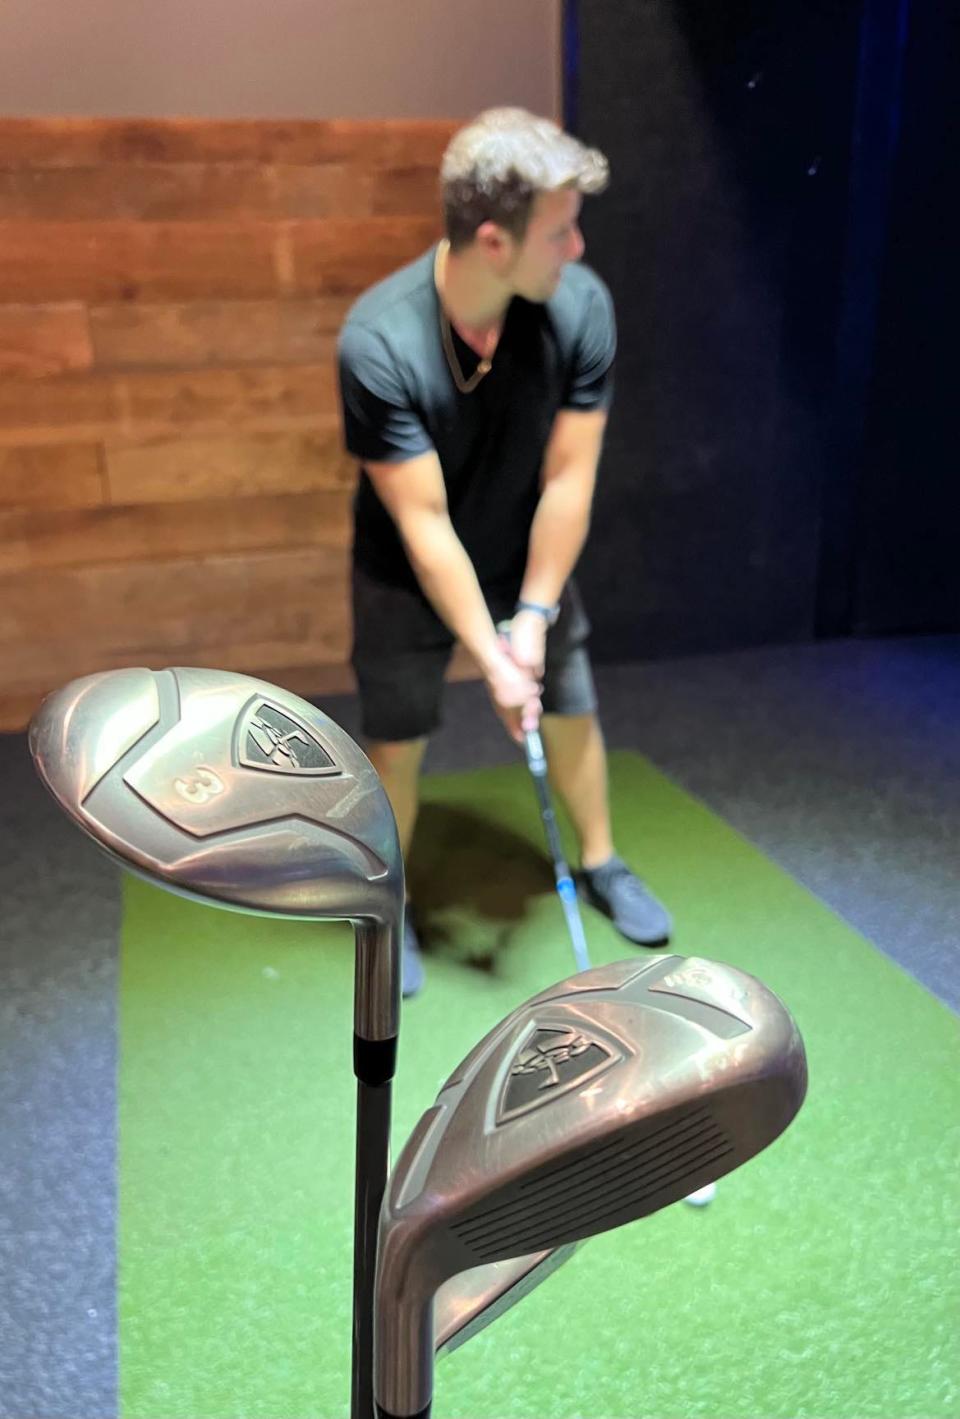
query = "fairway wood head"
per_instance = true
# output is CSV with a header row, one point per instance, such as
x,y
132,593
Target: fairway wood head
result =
x,y
601,1100
238,794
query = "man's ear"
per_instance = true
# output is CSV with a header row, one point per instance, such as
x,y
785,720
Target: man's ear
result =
x,y
493,242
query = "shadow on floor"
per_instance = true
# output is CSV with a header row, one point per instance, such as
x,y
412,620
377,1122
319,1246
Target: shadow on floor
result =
x,y
471,883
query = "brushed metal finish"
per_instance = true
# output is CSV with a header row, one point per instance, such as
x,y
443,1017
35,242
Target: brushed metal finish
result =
x,y
599,1101
468,1303
232,791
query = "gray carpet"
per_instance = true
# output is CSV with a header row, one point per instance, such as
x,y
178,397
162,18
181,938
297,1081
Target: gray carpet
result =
x,y
58,1053
840,760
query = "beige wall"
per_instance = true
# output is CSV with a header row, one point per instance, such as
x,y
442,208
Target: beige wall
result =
x,y
278,58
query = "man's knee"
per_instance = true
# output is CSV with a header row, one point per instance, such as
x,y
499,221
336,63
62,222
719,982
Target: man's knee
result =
x,y
570,727
396,758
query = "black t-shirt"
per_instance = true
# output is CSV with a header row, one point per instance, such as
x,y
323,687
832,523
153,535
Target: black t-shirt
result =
x,y
399,400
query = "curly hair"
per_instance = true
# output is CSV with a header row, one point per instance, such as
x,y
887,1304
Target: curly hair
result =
x,y
494,168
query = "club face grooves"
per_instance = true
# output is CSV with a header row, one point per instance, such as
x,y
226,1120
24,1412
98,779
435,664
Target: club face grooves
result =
x,y
548,1209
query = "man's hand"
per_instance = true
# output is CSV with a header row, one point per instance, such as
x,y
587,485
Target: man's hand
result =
x,y
514,693
528,641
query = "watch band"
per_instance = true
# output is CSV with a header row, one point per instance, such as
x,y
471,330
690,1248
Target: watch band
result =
x,y
549,613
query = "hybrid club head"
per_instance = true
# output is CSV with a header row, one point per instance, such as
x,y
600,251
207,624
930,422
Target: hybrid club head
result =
x,y
599,1101
236,793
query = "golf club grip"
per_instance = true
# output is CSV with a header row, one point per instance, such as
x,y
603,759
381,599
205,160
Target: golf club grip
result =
x,y
372,1166
420,1414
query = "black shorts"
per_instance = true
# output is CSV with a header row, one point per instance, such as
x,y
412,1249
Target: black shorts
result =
x,y
401,650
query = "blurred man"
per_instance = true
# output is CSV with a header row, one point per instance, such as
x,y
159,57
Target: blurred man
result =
x,y
475,386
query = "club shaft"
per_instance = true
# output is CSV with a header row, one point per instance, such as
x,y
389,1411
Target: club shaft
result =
x,y
568,897
566,888
372,1165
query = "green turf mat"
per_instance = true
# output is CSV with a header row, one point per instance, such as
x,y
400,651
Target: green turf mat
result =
x,y
821,1282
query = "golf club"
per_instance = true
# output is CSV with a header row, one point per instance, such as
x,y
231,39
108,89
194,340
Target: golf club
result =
x,y
566,888
235,793
601,1100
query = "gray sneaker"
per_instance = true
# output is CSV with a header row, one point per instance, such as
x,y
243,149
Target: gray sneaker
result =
x,y
411,979
616,891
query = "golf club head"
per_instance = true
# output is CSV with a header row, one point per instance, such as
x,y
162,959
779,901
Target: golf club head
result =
x,y
238,794
599,1101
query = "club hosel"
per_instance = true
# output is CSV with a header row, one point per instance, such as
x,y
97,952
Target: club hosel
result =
x,y
404,1357
408,1279
377,982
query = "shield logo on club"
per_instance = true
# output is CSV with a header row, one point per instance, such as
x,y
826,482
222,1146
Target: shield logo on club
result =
x,y
551,1061
273,739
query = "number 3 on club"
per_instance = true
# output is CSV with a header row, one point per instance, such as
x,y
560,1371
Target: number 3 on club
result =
x,y
203,786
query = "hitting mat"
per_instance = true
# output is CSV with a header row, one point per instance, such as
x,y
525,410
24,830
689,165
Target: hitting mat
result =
x,y
822,1281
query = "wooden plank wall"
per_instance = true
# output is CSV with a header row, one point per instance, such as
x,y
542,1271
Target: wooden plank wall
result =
x,y
172,484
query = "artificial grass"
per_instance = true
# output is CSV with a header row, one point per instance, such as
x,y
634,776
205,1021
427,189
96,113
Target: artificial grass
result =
x,y
821,1282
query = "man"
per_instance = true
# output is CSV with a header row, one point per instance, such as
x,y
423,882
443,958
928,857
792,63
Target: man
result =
x,y
475,385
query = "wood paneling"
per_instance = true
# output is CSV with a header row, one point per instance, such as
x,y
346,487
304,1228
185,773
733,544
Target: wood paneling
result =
x,y
138,192
273,659
286,397
173,484
317,667
217,332
342,256
344,192
45,537
36,341
195,604
58,477
65,409
18,706
265,659
98,262
186,470
194,192
129,261
74,409
79,142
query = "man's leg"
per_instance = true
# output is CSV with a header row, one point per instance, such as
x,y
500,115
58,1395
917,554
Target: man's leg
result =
x,y
400,653
576,756
578,767
577,760
397,761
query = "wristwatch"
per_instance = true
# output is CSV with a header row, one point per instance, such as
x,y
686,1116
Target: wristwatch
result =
x,y
549,613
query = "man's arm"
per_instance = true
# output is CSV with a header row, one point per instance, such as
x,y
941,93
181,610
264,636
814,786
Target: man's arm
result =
x,y
559,527
414,494
562,518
